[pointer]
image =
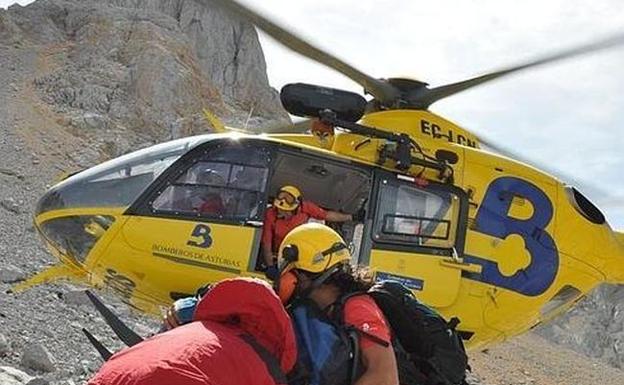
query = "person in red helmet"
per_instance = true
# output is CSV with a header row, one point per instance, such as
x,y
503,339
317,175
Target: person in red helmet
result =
x,y
240,335
289,210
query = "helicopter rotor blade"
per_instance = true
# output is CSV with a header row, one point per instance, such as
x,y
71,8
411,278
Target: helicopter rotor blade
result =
x,y
378,88
426,97
299,127
599,193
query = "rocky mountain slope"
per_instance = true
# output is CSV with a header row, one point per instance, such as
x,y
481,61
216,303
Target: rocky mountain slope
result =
x,y
81,81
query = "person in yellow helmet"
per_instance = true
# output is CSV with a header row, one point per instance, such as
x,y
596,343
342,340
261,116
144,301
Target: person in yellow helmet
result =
x,y
315,265
289,210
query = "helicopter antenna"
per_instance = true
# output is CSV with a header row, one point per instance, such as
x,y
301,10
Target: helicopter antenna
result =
x,y
248,117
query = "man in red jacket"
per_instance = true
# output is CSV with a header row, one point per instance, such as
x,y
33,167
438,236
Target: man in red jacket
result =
x,y
241,335
289,210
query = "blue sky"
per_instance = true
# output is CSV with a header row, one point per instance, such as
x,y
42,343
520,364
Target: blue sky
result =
x,y
569,116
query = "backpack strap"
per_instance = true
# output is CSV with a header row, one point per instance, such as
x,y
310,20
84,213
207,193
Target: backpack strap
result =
x,y
452,324
337,312
336,316
272,364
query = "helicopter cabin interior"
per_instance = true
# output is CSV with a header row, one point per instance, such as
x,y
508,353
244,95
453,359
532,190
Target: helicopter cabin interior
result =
x,y
235,182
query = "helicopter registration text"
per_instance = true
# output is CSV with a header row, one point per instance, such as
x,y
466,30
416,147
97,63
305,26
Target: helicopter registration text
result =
x,y
437,132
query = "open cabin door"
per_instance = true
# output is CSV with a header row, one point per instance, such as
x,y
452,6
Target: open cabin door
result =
x,y
417,236
201,221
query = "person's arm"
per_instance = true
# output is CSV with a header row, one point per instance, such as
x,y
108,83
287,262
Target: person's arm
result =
x,y
378,359
316,212
380,364
267,238
335,216
267,254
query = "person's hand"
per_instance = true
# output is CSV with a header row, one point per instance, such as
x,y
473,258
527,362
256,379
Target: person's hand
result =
x,y
359,215
271,272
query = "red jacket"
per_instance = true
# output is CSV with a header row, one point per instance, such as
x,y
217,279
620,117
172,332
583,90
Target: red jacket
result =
x,y
275,229
216,349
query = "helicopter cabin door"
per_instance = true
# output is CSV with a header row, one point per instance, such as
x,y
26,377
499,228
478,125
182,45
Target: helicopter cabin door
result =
x,y
417,236
201,221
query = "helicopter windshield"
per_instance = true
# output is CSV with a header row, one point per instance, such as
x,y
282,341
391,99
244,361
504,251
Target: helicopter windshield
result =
x,y
118,182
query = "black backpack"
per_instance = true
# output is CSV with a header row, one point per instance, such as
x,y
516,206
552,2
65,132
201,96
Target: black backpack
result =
x,y
428,349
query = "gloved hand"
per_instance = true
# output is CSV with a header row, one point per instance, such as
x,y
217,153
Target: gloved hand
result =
x,y
359,215
271,272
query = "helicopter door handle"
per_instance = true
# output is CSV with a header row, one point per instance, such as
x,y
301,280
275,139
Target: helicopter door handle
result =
x,y
254,223
461,265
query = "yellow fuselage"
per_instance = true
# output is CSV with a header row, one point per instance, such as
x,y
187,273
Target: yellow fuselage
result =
x,y
525,252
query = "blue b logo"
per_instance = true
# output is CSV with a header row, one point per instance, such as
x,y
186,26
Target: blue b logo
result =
x,y
203,233
493,219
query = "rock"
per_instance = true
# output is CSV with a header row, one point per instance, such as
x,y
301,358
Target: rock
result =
x,y
37,357
89,121
12,376
38,381
5,348
87,367
95,121
9,172
10,205
76,297
11,274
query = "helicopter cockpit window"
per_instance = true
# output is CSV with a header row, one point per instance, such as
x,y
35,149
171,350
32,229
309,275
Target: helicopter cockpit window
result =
x,y
409,214
226,185
118,182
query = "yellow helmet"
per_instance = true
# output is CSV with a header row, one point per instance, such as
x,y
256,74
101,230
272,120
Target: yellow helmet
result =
x,y
283,204
313,248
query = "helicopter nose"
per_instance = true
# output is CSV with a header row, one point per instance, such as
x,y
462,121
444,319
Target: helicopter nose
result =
x,y
74,236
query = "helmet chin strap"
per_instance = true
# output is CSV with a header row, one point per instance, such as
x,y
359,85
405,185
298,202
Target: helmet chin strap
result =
x,y
318,281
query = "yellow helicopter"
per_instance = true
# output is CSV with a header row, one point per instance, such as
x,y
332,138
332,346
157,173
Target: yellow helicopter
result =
x,y
477,235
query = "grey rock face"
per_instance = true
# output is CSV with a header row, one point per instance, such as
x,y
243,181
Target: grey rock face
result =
x,y
227,50
143,67
4,345
11,274
595,327
38,381
11,205
76,298
37,357
12,376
